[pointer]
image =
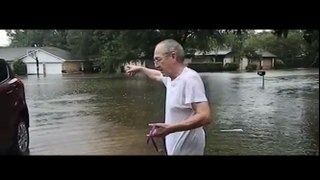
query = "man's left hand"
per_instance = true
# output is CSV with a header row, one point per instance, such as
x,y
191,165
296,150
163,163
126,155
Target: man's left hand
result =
x,y
160,129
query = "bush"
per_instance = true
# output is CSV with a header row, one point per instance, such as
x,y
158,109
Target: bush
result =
x,y
279,64
206,67
19,67
231,67
251,67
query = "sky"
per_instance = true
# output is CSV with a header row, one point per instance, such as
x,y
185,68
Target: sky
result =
x,y
4,40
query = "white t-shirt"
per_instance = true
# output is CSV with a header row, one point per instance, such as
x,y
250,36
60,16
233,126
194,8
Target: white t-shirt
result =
x,y
180,93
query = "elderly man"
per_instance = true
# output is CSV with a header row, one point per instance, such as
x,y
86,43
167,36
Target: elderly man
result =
x,y
187,109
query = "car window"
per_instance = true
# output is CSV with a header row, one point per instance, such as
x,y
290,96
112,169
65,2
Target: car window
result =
x,y
3,71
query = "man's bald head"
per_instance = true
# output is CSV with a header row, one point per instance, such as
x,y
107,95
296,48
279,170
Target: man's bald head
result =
x,y
170,45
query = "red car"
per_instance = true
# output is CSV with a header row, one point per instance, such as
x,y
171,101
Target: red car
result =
x,y
14,114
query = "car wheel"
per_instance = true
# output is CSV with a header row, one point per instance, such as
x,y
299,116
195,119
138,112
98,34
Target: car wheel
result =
x,y
21,139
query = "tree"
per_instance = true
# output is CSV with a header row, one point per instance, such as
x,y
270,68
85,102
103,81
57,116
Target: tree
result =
x,y
82,43
311,36
236,40
127,45
37,38
19,67
115,47
286,47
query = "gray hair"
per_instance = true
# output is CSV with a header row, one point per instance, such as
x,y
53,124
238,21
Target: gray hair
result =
x,y
172,45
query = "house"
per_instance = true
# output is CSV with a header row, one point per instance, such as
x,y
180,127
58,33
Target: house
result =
x,y
223,56
211,56
267,60
226,56
51,60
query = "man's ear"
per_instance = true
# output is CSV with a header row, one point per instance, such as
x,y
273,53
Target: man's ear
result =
x,y
174,55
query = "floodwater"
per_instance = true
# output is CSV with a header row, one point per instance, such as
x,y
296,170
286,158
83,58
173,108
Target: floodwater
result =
x,y
100,115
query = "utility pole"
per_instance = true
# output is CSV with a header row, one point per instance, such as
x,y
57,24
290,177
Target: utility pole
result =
x,y
37,61
33,55
262,73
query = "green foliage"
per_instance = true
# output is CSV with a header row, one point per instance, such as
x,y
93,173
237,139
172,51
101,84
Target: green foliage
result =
x,y
311,36
19,67
281,33
231,67
112,48
286,47
279,64
307,46
206,67
236,41
251,67
83,43
38,38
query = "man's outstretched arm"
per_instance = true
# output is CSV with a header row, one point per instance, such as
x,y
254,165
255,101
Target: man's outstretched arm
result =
x,y
150,73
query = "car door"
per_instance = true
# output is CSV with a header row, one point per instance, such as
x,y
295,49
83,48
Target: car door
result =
x,y
7,100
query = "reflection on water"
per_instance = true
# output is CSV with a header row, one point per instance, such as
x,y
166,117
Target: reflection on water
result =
x,y
96,115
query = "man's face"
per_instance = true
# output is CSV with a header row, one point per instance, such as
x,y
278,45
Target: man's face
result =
x,y
162,59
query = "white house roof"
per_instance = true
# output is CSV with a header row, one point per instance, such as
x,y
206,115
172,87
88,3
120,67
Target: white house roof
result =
x,y
213,52
265,53
59,52
10,54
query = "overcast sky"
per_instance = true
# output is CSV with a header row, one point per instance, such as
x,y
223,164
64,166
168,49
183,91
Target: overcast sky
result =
x,y
4,40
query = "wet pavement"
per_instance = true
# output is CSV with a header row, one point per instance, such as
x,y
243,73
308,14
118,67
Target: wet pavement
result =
x,y
98,115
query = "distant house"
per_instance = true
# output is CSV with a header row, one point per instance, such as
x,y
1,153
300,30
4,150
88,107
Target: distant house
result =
x,y
51,60
225,56
267,60
211,56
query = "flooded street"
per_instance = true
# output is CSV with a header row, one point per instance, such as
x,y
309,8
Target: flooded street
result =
x,y
97,115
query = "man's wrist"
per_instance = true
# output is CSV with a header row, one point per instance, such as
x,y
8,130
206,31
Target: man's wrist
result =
x,y
171,129
141,69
